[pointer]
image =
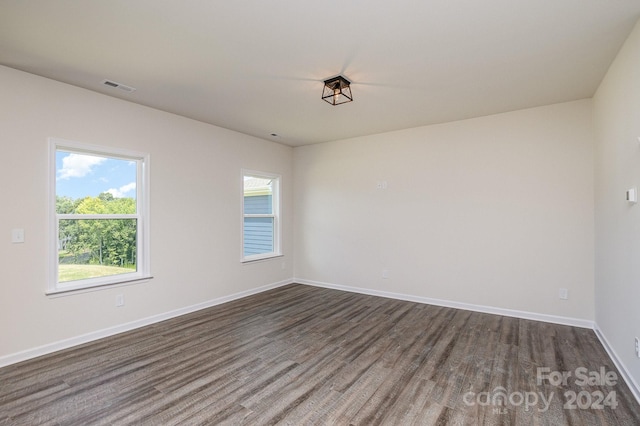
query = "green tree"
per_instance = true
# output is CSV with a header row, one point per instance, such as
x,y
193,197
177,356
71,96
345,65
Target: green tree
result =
x,y
64,205
102,241
120,237
67,229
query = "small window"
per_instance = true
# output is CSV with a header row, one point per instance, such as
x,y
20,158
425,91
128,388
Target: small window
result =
x,y
260,208
99,207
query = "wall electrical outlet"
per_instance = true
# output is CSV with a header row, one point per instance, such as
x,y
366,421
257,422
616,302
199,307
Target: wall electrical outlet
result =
x,y
638,347
385,274
563,293
17,236
119,300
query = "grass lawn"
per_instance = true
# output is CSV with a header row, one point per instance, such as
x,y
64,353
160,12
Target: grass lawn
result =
x,y
68,272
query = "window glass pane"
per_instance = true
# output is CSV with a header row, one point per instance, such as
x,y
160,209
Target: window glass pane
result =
x,y
258,235
99,212
258,195
261,237
90,248
79,176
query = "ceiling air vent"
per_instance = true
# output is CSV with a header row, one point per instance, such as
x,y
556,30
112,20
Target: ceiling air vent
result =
x,y
115,85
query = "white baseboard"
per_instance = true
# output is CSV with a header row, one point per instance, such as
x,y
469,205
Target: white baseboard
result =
x,y
89,337
575,322
628,378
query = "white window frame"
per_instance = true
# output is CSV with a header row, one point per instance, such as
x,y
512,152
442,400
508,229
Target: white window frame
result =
x,y
275,200
142,217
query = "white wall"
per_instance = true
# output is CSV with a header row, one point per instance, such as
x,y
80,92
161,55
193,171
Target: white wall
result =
x,y
196,189
617,277
494,211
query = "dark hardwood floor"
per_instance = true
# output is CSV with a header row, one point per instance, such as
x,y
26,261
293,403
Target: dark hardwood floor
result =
x,y
305,355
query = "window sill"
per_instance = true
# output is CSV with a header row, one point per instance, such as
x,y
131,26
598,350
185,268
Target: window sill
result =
x,y
71,291
248,260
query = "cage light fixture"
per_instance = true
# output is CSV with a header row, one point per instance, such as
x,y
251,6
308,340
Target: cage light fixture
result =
x,y
337,90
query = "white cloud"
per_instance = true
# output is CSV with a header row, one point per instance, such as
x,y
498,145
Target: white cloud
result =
x,y
120,192
78,165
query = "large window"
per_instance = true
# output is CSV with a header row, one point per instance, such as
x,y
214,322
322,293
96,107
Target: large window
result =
x,y
260,209
99,231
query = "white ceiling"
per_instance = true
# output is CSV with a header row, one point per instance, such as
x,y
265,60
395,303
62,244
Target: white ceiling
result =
x,y
257,66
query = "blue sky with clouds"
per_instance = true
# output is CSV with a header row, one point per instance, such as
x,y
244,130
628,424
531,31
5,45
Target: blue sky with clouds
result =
x,y
80,175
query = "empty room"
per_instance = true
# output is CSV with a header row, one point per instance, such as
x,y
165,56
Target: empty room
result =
x,y
333,213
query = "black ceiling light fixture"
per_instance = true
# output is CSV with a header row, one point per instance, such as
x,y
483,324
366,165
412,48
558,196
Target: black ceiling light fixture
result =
x,y
337,90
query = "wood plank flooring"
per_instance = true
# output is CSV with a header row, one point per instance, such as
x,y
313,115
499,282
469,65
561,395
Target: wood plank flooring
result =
x,y
304,355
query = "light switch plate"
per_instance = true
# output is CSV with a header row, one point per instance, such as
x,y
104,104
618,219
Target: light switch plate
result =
x,y
632,195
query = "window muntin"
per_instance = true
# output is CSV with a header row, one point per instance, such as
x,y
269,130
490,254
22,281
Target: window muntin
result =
x,y
260,209
99,216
